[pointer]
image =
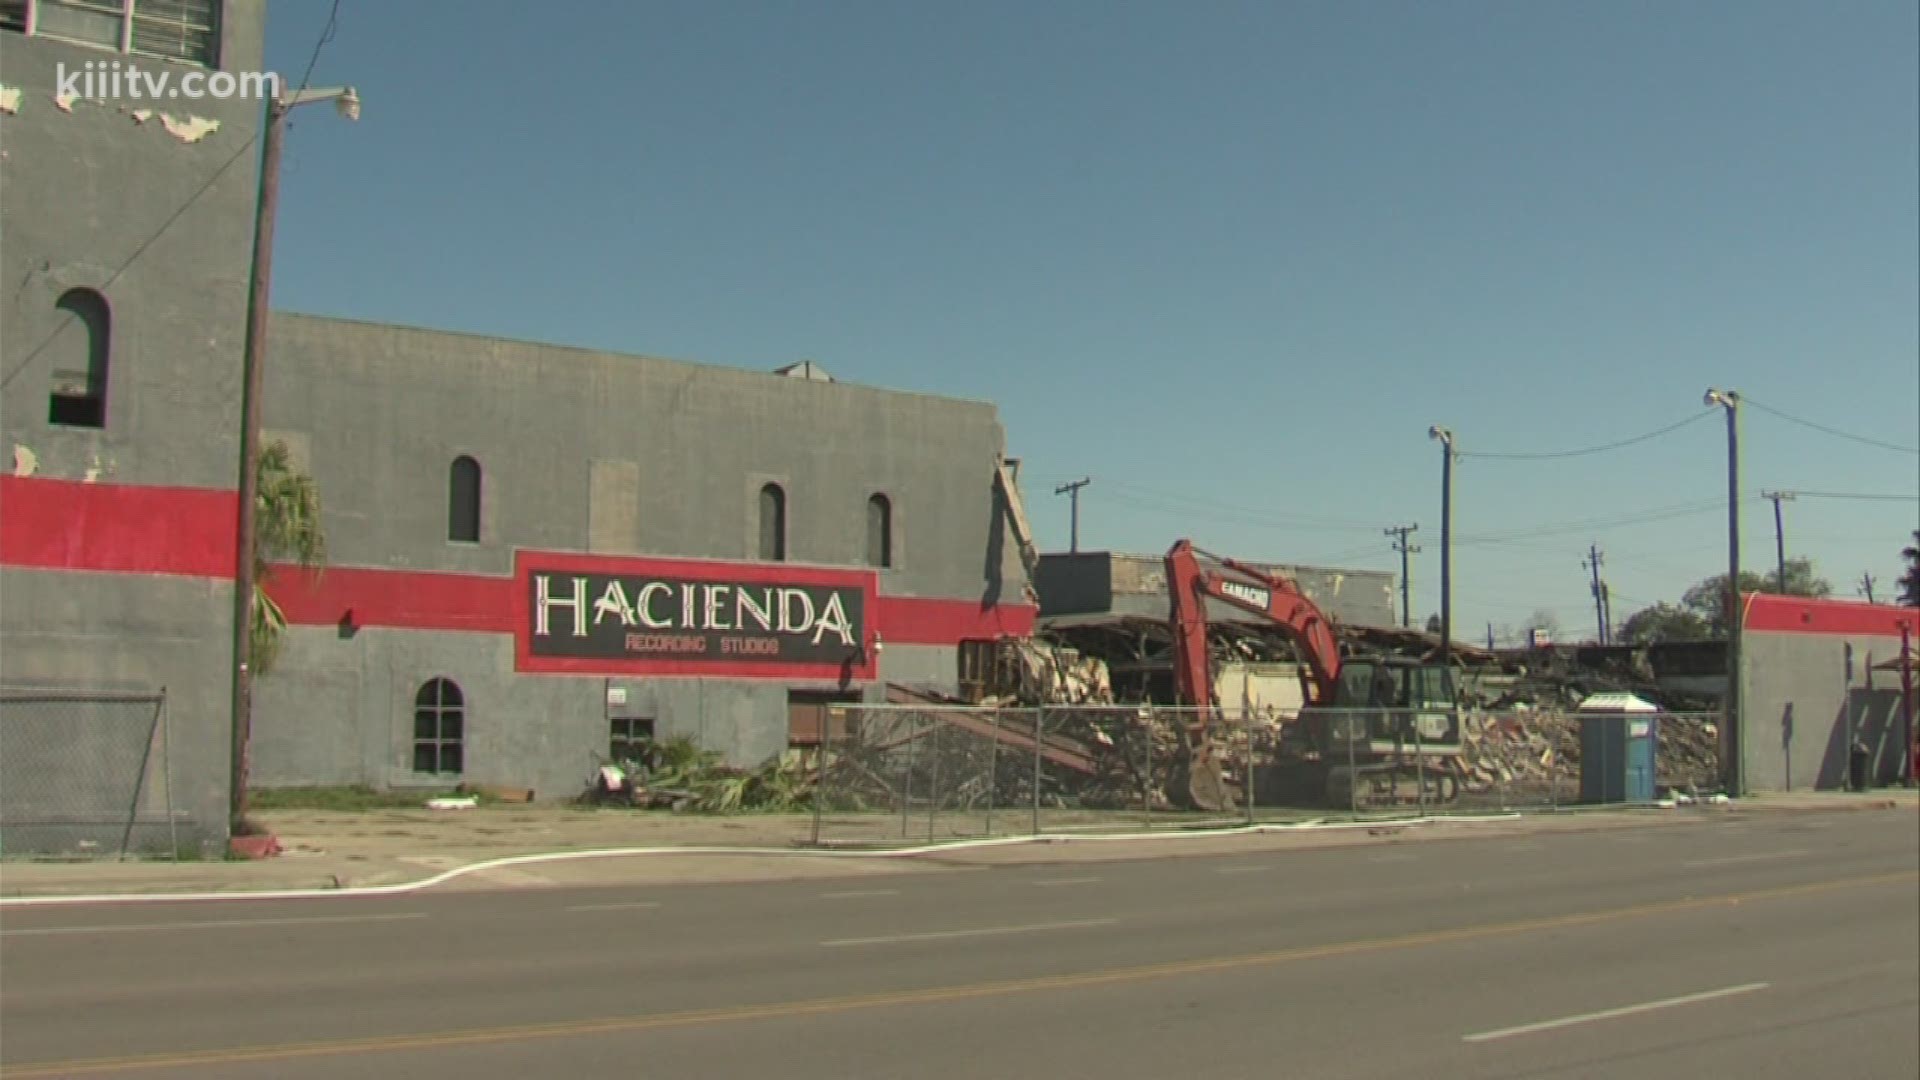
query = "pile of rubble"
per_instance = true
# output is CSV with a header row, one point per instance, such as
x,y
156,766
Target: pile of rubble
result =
x,y
1526,751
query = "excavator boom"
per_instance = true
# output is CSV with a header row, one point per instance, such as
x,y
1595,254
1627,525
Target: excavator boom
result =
x,y
1254,590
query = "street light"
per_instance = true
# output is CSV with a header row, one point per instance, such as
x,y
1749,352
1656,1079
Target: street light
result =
x,y
347,101
1733,769
1445,436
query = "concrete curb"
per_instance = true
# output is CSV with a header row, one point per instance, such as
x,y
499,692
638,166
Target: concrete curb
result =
x,y
402,888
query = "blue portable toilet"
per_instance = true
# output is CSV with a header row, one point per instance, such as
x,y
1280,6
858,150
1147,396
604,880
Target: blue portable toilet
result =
x,y
1619,741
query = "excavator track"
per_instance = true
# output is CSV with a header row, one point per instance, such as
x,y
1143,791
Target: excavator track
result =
x,y
1391,786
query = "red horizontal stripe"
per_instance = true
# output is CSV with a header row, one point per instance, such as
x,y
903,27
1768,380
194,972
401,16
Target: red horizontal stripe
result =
x,y
913,620
1769,613
419,600
403,599
117,528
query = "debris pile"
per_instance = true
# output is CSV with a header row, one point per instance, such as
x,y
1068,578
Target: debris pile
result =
x,y
1532,751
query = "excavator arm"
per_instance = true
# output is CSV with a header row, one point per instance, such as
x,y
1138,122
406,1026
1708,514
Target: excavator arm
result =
x,y
1254,591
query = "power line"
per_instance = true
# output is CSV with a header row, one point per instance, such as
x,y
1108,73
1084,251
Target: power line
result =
x,y
1854,495
1642,517
1541,455
326,35
1836,432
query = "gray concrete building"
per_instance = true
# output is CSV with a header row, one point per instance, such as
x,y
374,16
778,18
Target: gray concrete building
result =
x,y
127,227
538,554
1817,677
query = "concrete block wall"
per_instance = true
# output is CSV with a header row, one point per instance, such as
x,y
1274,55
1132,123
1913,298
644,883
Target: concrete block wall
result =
x,y
118,539
1802,708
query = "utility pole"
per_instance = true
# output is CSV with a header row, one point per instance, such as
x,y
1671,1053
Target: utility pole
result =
x,y
1592,562
1445,438
1489,637
1733,767
1866,586
1779,536
1406,575
252,382
1072,491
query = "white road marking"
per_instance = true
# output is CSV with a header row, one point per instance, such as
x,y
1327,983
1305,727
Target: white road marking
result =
x,y
630,905
985,931
1067,881
1728,860
851,894
1609,1014
209,924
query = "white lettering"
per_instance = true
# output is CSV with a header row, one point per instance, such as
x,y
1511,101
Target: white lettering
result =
x,y
744,606
686,605
546,601
1249,593
645,611
613,602
788,624
716,595
834,618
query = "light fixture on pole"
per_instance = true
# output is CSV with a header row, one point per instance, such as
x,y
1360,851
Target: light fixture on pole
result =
x,y
1733,767
347,101
1445,436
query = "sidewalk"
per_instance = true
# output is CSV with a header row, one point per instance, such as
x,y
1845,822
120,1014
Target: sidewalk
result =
x,y
332,851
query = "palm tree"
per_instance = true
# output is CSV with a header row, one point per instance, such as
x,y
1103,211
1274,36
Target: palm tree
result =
x,y
1910,581
286,528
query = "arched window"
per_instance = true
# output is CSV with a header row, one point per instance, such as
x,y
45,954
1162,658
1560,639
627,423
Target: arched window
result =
x,y
463,501
439,727
879,530
79,397
773,523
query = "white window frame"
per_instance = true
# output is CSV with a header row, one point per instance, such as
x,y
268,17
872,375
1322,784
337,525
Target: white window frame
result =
x,y
125,45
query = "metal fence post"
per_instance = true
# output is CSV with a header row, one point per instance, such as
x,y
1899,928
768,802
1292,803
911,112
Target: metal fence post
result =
x,y
993,772
1136,734
166,766
933,782
836,717
1248,785
1419,762
1353,777
906,781
1039,729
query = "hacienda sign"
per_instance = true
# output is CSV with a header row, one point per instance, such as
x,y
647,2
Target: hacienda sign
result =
x,y
641,616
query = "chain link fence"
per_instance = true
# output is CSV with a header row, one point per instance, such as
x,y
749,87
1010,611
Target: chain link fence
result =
x,y
903,774
85,774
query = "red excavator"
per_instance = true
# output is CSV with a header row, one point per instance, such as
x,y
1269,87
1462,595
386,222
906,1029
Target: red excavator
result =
x,y
1376,731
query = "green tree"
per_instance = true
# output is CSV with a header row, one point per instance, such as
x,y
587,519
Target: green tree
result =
x,y
286,528
1663,622
1702,612
1910,581
1709,598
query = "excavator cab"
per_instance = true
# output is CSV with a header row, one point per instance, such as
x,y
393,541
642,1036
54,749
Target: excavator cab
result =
x,y
1386,716
1394,701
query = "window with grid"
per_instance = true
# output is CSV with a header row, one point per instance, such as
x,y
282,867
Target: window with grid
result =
x,y
628,738
439,727
186,30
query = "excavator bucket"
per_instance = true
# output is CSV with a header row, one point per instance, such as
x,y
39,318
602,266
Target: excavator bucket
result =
x,y
1205,783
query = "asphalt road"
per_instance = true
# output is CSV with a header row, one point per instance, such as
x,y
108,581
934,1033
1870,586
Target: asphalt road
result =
x,y
1782,946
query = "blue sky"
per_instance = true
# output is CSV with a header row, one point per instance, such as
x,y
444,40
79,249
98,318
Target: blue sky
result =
x,y
1230,260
